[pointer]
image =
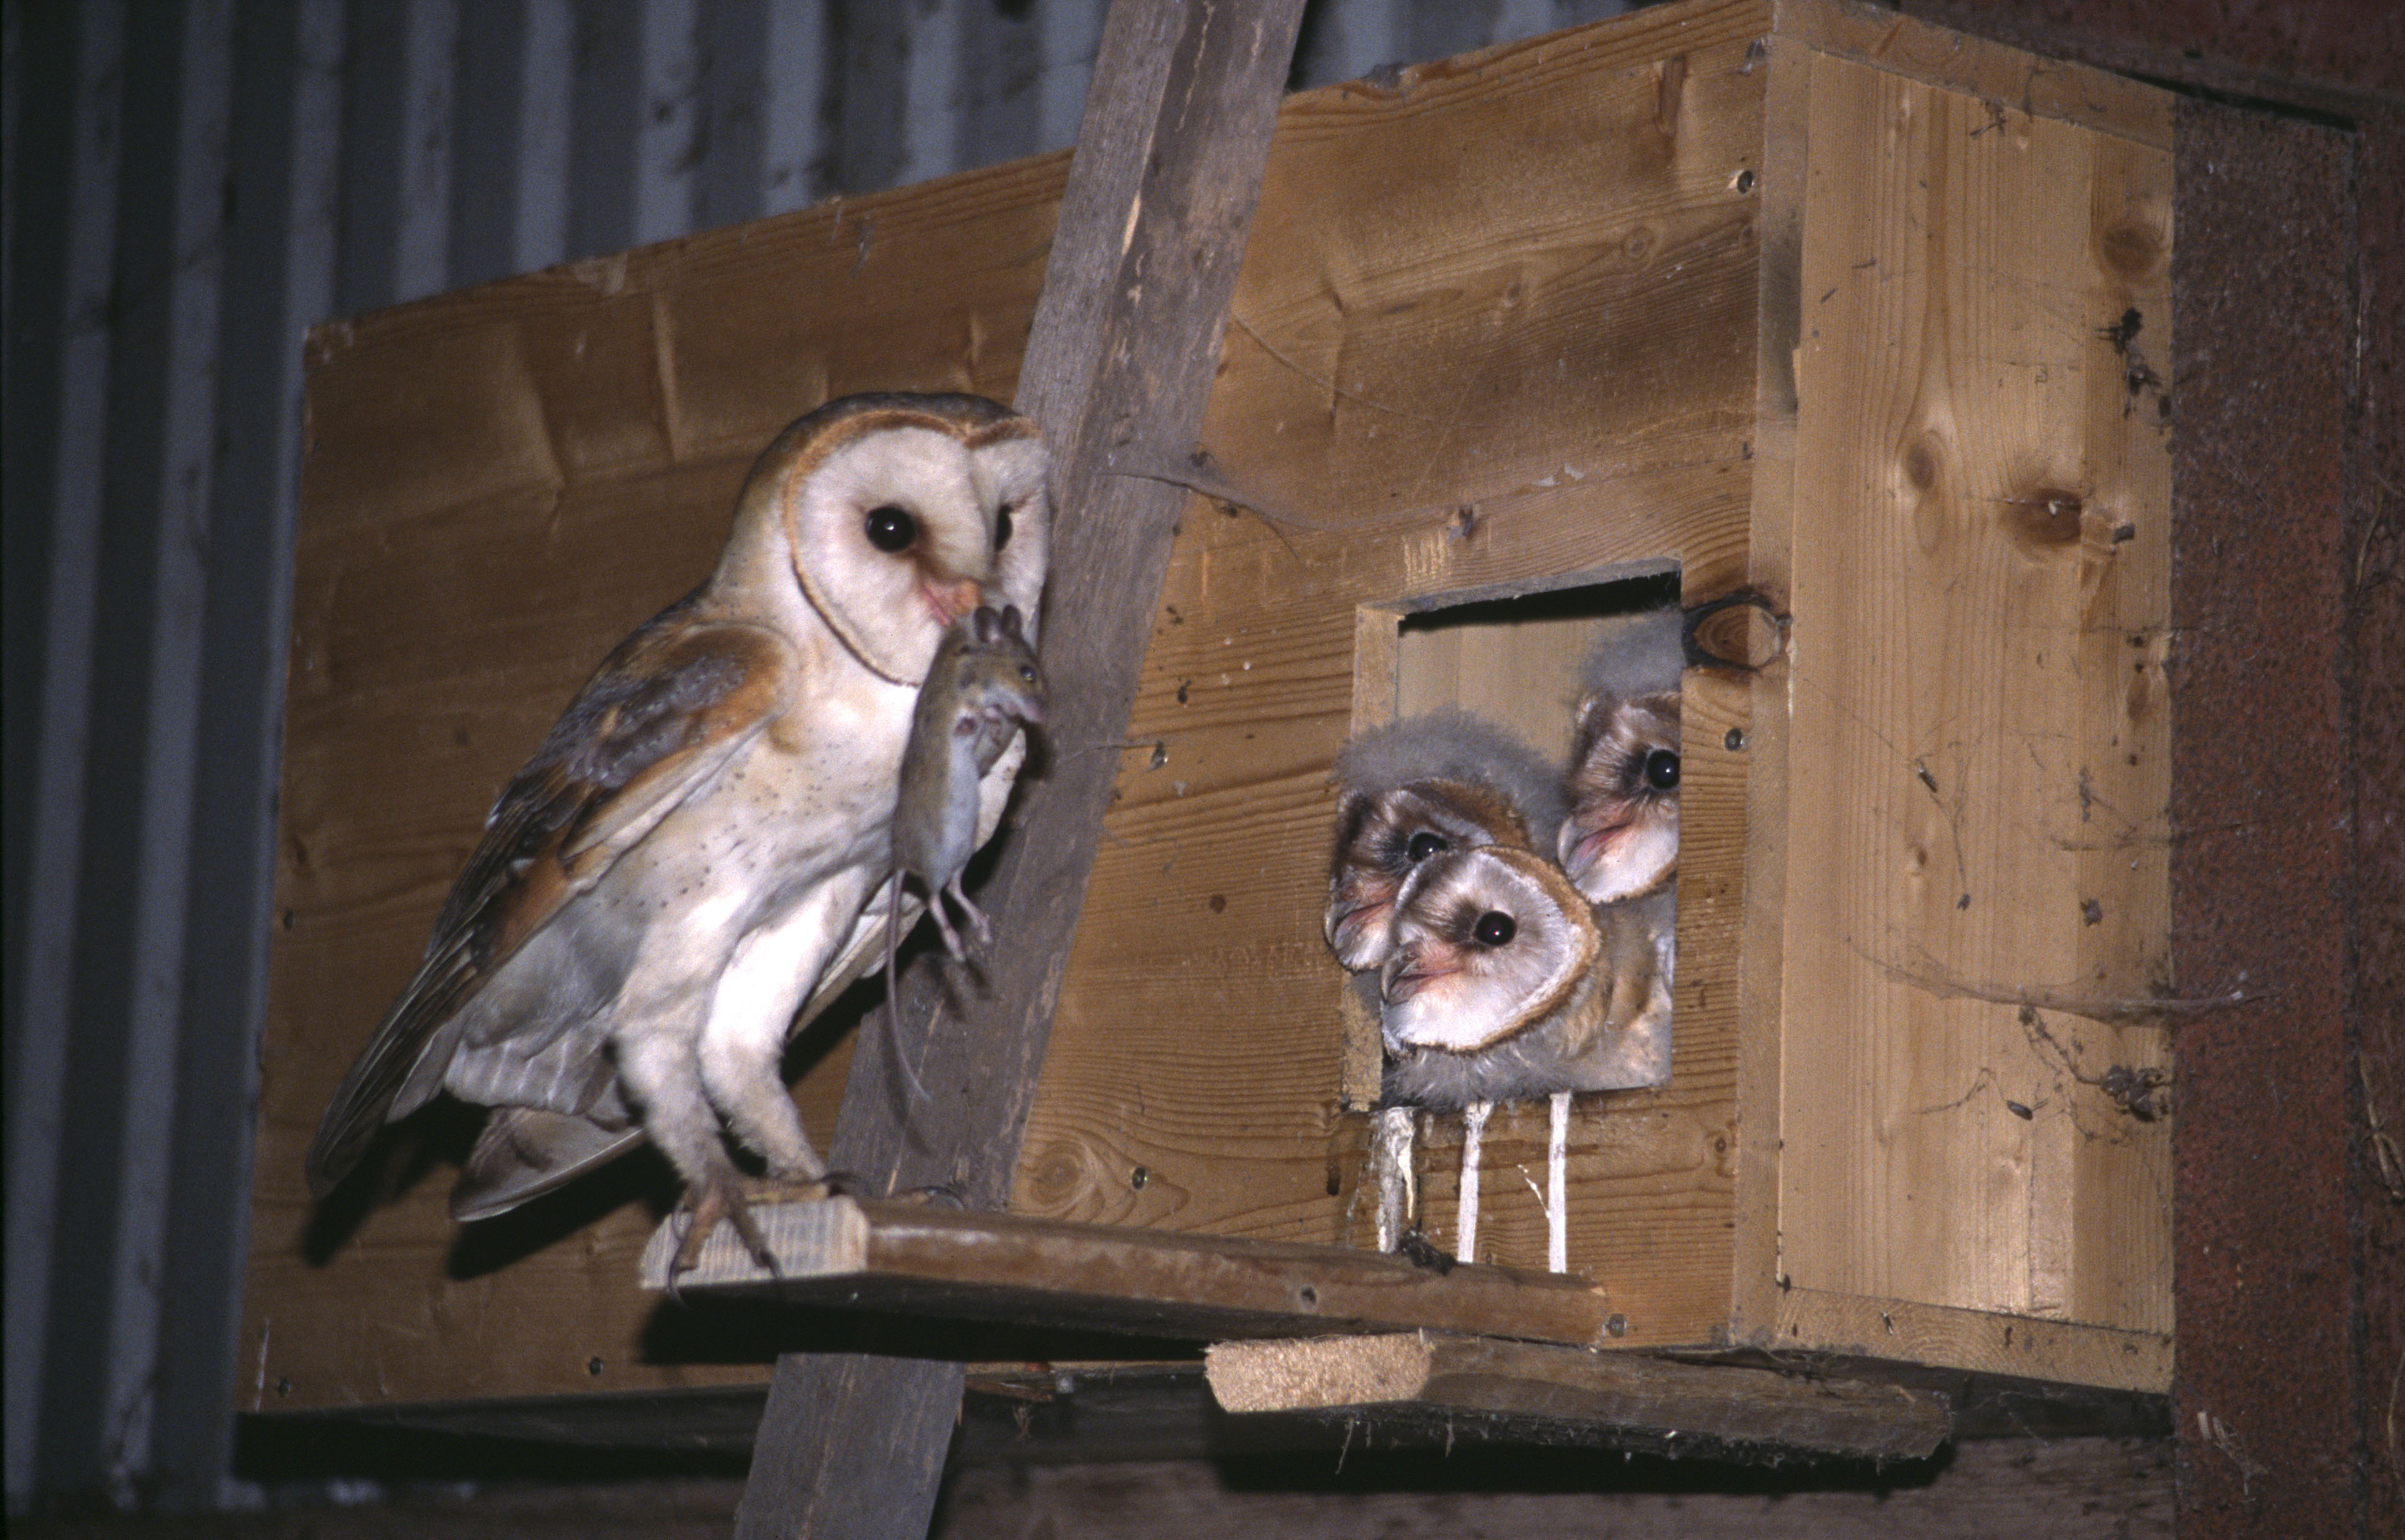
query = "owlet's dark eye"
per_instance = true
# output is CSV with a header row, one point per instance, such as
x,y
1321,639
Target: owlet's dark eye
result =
x,y
1662,769
1001,528
892,530
1423,845
1494,928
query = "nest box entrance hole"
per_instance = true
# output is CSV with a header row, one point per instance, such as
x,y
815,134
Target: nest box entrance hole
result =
x,y
1517,655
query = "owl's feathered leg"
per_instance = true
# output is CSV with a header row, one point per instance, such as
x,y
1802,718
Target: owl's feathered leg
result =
x,y
660,1069
751,1007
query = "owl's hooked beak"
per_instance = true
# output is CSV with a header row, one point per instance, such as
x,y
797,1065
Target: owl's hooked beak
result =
x,y
1418,965
952,600
1348,925
1629,855
1592,844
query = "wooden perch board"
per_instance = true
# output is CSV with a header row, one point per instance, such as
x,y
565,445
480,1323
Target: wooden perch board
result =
x,y
1483,1387
921,1259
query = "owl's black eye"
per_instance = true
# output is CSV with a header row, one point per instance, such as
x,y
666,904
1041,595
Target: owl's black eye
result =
x,y
1494,928
892,530
1662,769
1423,845
1001,528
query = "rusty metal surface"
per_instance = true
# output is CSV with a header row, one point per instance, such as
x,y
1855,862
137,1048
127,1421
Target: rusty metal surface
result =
x,y
2377,680
2349,46
2267,1399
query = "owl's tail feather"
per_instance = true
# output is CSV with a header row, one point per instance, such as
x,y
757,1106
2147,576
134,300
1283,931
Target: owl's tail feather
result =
x,y
526,1152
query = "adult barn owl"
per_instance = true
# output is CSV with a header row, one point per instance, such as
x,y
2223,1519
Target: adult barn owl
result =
x,y
1443,781
686,859
1505,984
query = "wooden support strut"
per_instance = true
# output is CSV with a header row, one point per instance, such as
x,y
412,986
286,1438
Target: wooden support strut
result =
x,y
1143,260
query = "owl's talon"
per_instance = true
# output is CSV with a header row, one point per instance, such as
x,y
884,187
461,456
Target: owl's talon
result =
x,y
729,1198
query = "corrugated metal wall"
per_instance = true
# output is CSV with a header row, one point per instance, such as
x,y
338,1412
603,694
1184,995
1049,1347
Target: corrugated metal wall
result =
x,y
190,185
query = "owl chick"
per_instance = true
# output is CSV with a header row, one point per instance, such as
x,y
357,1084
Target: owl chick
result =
x,y
1443,781
686,858
1621,838
1505,984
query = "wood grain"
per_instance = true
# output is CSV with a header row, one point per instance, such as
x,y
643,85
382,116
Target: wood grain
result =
x,y
1979,737
2029,83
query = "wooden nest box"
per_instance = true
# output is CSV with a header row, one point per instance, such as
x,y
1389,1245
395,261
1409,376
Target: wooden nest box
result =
x,y
1797,298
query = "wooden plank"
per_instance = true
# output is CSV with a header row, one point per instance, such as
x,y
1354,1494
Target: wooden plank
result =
x,y
1980,726
2036,85
1154,223
1563,1395
1983,1341
2077,1489
1762,736
911,1258
2085,1489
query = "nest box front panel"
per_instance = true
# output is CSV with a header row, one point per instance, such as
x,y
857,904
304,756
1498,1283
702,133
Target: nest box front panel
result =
x,y
1494,340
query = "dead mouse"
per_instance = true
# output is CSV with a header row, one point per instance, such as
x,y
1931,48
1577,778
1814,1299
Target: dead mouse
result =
x,y
984,681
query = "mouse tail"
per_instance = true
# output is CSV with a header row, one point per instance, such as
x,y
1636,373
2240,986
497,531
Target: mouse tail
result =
x,y
894,992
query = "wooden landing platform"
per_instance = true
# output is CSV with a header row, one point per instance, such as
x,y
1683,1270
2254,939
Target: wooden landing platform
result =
x,y
987,1266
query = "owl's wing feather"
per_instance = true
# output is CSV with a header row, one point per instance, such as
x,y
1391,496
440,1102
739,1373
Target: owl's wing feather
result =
x,y
526,1152
659,721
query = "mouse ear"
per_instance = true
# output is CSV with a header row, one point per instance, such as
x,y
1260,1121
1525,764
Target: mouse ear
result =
x,y
1010,624
985,625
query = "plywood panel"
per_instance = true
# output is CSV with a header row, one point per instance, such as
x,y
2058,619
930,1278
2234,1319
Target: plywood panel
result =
x,y
1979,723
1495,329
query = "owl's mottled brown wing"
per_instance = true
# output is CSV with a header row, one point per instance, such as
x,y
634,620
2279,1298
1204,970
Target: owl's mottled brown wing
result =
x,y
657,722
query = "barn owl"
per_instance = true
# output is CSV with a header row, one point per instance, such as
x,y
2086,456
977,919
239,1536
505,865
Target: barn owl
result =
x,y
1445,781
1505,984
1621,839
689,855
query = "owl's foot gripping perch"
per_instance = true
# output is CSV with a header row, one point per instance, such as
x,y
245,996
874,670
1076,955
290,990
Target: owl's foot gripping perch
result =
x,y
726,1194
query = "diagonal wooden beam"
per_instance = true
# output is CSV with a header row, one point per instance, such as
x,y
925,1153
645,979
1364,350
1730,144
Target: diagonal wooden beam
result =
x,y
1152,230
